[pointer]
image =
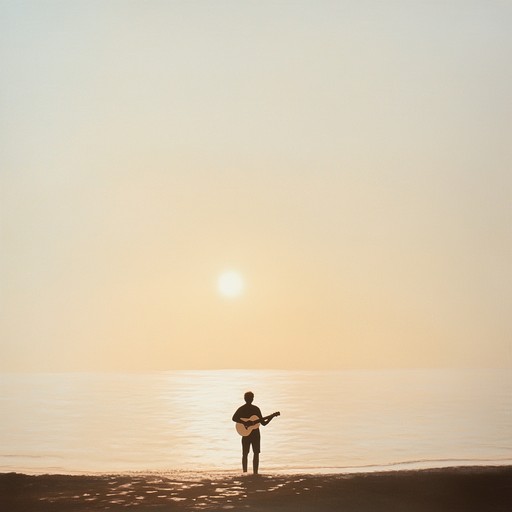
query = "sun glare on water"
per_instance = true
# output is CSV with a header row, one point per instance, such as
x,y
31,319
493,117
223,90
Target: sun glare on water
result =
x,y
230,284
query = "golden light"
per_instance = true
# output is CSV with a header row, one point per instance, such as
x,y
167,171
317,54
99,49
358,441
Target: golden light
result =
x,y
230,284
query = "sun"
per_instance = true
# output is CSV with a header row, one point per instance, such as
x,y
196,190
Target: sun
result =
x,y
230,284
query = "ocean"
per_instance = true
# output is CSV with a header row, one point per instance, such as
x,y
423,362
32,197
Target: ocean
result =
x,y
330,421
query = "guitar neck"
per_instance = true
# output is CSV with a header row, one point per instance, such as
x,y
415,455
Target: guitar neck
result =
x,y
270,416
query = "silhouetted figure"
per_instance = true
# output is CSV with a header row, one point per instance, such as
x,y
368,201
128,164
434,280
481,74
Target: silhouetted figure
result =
x,y
249,417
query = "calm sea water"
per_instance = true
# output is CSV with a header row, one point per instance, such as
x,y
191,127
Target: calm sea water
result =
x,y
181,420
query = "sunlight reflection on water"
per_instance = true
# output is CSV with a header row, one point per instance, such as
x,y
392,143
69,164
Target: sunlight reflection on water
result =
x,y
181,420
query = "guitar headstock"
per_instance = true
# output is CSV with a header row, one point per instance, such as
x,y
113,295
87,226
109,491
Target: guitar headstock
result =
x,y
276,414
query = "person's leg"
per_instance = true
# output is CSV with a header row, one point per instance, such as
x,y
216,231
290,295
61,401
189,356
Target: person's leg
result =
x,y
245,453
255,463
256,448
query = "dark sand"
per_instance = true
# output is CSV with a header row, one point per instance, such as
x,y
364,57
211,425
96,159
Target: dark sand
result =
x,y
482,489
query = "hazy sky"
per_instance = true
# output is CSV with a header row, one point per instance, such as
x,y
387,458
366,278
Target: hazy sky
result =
x,y
351,159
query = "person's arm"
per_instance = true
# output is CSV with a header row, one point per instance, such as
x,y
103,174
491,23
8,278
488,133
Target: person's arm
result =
x,y
263,421
266,421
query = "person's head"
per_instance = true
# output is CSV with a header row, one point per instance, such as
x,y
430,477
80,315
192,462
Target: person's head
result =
x,y
249,397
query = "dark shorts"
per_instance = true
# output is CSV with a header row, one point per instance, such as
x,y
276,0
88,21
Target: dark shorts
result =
x,y
252,439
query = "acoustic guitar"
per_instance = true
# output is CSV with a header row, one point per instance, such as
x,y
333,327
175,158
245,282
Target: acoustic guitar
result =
x,y
254,423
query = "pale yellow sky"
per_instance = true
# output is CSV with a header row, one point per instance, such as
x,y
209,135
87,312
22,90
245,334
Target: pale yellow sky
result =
x,y
352,160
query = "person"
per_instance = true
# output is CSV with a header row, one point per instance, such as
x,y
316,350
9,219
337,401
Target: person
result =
x,y
242,414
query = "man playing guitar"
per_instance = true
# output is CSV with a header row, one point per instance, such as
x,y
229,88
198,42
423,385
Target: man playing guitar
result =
x,y
248,418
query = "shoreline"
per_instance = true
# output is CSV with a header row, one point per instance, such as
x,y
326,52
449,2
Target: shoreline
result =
x,y
205,473
461,488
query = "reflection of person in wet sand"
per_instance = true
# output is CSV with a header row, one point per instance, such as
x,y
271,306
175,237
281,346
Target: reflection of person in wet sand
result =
x,y
249,418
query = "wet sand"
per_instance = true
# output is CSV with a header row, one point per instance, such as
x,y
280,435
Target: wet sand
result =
x,y
482,489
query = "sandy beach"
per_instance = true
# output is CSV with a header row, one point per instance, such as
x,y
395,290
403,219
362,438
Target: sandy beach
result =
x,y
479,489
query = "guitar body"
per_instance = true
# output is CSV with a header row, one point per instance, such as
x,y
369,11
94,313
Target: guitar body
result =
x,y
245,431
